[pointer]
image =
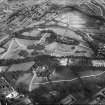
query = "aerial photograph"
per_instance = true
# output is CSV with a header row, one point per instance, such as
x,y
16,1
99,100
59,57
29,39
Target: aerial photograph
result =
x,y
52,52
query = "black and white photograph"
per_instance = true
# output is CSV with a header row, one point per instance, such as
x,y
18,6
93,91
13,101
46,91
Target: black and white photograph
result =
x,y
52,52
